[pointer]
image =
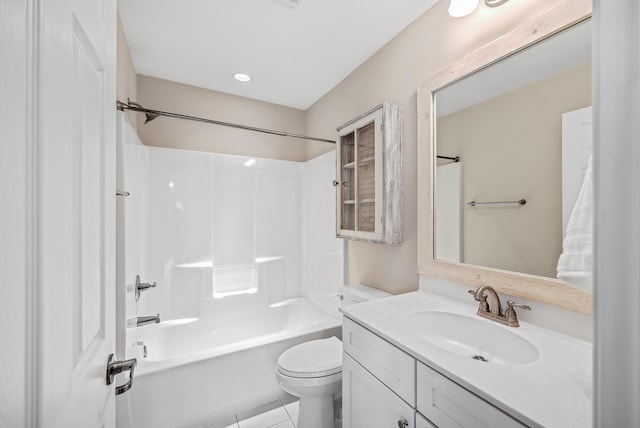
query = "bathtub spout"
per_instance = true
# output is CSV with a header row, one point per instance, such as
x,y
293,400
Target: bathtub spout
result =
x,y
140,321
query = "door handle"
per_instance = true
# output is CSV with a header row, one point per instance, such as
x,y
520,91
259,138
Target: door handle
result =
x,y
115,367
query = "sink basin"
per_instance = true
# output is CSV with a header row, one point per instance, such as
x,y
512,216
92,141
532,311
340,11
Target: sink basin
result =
x,y
471,337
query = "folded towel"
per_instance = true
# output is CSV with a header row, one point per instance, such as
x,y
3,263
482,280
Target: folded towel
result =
x,y
575,265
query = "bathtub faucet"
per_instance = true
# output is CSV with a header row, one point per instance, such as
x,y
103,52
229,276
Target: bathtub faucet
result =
x,y
140,321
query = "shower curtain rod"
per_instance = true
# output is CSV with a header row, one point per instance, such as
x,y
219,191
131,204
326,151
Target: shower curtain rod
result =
x,y
152,114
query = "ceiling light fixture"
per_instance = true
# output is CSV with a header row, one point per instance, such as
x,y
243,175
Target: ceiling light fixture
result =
x,y
495,3
242,77
460,8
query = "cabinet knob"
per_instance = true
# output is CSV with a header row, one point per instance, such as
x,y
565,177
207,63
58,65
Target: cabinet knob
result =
x,y
335,183
403,423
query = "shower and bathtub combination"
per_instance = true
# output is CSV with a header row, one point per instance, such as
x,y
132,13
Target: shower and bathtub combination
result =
x,y
245,263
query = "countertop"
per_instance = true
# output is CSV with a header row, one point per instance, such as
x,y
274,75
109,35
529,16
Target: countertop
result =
x,y
555,390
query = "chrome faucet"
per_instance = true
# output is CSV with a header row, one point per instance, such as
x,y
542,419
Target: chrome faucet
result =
x,y
140,321
491,308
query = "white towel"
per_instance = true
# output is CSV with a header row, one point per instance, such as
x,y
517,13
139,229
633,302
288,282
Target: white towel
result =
x,y
575,265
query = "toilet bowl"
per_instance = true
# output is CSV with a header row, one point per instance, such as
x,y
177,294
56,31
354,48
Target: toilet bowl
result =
x,y
312,370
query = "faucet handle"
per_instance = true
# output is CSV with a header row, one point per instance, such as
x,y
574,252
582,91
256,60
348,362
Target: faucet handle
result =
x,y
482,298
474,293
511,304
510,314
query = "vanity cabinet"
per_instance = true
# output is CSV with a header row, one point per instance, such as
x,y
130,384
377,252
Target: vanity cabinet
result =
x,y
383,387
369,177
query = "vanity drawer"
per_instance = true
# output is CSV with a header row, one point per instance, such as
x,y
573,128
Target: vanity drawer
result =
x,y
393,367
449,405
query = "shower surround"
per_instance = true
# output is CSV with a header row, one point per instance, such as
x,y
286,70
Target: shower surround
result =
x,y
246,264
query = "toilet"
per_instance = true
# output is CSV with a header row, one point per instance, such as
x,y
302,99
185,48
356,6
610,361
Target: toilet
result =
x,y
312,370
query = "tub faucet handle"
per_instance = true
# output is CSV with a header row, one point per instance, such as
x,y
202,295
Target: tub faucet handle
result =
x,y
144,347
142,286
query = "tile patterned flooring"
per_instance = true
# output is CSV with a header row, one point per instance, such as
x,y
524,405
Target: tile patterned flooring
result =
x,y
277,414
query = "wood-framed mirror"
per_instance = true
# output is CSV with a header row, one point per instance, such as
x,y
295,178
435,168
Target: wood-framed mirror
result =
x,y
464,265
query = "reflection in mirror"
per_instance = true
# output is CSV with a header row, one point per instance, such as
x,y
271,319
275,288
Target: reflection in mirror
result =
x,y
522,131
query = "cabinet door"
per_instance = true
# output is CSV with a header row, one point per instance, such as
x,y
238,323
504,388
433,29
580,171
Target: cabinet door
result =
x,y
360,178
366,402
448,405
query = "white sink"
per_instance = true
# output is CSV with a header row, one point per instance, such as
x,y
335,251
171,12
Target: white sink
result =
x,y
471,337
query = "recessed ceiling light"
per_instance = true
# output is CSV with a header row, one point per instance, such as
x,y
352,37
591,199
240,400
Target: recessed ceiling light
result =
x,y
242,77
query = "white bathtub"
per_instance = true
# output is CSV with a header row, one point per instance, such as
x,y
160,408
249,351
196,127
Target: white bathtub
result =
x,y
201,371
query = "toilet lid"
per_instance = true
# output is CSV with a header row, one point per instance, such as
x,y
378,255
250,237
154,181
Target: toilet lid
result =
x,y
316,358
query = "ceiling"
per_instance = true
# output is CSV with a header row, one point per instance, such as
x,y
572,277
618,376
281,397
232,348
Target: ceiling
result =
x,y
295,55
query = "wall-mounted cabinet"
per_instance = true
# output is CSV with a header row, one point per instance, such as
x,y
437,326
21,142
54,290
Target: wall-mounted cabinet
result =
x,y
369,177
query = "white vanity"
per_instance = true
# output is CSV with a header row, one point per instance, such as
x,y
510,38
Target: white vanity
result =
x,y
409,362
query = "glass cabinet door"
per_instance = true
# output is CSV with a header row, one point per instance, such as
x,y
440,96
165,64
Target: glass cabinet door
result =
x,y
347,183
362,191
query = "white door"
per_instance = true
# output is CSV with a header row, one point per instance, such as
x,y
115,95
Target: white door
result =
x,y
75,187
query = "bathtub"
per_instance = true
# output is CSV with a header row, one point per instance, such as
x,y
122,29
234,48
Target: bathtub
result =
x,y
199,371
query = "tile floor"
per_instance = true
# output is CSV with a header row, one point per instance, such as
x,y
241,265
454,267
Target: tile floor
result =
x,y
277,414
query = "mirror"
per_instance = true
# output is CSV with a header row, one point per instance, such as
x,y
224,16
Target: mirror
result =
x,y
503,160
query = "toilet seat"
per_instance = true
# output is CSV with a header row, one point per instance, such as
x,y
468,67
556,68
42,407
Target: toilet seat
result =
x,y
316,358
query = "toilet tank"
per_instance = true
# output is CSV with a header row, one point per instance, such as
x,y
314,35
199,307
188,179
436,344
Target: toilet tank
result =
x,y
356,293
